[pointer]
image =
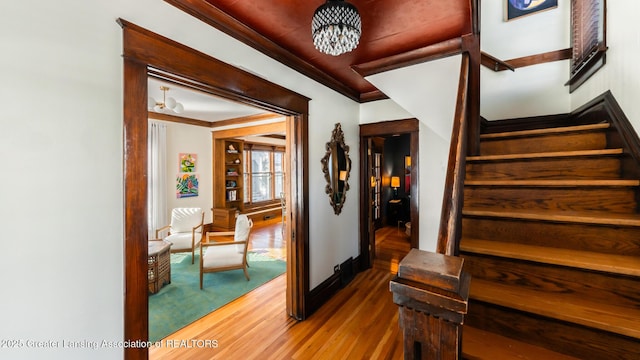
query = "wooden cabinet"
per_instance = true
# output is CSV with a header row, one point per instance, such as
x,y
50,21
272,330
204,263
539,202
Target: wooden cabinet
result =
x,y
228,181
224,218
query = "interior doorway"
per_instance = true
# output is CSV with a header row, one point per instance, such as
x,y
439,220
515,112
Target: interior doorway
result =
x,y
144,51
260,191
389,183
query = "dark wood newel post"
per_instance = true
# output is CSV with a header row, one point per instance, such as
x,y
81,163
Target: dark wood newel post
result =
x,y
432,292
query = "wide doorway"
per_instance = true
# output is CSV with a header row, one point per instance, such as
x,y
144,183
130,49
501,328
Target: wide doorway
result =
x,y
144,51
187,172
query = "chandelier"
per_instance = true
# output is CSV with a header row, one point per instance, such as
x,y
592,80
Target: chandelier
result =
x,y
336,27
166,103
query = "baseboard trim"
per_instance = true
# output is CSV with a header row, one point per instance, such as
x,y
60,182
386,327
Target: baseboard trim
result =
x,y
527,123
323,292
602,108
328,288
625,135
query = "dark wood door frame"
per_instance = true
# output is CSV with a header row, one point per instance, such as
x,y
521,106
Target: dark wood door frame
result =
x,y
143,51
386,128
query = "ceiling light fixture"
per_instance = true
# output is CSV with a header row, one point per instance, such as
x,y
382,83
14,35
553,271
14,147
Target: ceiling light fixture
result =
x,y
166,103
336,27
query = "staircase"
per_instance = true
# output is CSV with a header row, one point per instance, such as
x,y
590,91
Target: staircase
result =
x,y
551,238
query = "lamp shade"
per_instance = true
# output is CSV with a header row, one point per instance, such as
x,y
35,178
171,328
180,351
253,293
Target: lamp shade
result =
x,y
170,103
343,175
336,27
167,103
151,103
395,182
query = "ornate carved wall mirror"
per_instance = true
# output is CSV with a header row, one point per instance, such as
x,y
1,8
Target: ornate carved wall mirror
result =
x,y
336,166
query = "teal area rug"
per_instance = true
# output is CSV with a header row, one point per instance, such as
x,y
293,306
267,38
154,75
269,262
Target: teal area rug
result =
x,y
182,302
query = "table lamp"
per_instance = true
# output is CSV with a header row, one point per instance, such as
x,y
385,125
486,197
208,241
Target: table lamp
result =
x,y
395,184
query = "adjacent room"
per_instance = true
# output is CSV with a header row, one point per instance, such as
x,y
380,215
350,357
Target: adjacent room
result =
x,y
213,165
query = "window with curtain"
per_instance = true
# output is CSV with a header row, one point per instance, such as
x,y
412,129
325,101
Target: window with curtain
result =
x,y
278,169
157,216
263,174
588,38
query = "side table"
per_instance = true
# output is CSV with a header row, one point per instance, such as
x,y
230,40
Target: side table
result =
x,y
159,265
395,212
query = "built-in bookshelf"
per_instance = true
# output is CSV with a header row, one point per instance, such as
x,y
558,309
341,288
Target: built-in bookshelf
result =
x,y
228,195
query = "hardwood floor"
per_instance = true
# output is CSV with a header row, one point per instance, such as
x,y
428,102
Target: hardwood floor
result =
x,y
359,322
267,236
392,244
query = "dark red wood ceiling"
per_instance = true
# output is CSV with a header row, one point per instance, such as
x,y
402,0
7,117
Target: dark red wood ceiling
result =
x,y
389,27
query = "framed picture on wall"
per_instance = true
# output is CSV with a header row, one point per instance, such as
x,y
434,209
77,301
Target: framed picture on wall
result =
x,y
517,8
186,185
187,162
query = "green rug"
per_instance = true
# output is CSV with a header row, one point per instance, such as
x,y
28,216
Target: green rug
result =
x,y
182,302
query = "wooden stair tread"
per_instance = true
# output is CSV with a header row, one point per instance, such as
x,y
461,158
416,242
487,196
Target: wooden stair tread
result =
x,y
616,264
546,155
553,183
546,131
566,216
578,310
480,344
539,187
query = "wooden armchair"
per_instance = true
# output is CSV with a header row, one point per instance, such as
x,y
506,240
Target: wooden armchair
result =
x,y
185,230
227,253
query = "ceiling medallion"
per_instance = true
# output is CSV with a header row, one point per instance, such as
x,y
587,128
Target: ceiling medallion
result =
x,y
336,27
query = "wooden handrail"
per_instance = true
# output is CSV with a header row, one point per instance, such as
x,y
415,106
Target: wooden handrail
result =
x,y
494,63
451,216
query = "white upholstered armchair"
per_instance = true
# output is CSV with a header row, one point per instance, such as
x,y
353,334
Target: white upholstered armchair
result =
x,y
185,230
219,253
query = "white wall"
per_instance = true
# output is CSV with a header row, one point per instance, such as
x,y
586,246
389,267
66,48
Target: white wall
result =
x,y
182,138
382,110
61,144
334,237
533,90
621,73
428,91
62,209
525,89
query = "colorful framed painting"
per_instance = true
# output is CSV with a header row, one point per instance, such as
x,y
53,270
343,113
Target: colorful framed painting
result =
x,y
518,8
186,185
188,162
